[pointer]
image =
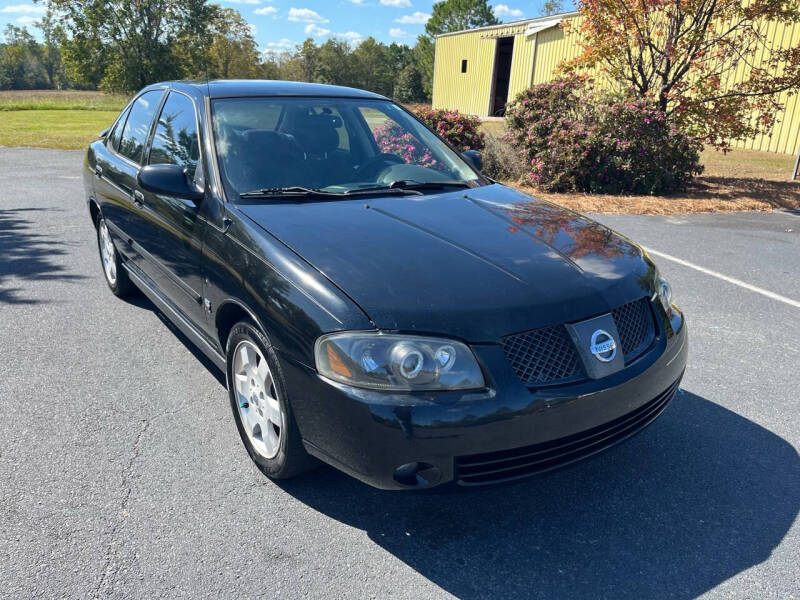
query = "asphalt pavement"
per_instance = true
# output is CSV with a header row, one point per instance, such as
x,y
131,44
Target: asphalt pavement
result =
x,y
122,474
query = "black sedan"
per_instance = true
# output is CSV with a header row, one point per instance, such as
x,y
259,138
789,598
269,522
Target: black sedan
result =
x,y
375,301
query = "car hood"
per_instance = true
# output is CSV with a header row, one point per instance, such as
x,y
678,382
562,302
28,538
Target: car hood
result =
x,y
477,264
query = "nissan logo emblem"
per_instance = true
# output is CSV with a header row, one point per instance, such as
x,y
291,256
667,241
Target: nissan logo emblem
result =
x,y
603,346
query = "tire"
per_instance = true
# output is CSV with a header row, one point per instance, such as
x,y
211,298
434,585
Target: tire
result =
x,y
259,397
113,272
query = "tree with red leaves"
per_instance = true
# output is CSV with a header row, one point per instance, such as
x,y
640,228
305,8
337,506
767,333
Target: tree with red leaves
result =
x,y
709,65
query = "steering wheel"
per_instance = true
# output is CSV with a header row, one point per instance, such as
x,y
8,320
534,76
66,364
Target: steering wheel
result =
x,y
373,167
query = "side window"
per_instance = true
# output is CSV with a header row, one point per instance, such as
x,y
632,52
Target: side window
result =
x,y
116,135
134,135
175,141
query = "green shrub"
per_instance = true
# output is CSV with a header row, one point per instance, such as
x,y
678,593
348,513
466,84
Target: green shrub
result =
x,y
575,139
501,160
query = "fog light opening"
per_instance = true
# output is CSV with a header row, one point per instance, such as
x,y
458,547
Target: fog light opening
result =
x,y
416,474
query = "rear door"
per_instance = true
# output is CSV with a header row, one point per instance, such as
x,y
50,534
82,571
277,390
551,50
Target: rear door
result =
x,y
113,200
118,163
172,234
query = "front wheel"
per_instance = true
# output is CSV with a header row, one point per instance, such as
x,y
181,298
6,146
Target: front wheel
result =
x,y
260,405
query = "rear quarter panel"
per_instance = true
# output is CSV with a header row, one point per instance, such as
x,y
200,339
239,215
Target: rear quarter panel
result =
x,y
87,171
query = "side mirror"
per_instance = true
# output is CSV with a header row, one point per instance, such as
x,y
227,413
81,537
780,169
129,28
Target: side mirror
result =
x,y
102,135
168,180
475,158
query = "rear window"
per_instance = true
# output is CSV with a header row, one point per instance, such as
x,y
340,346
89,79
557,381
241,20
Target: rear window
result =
x,y
137,127
116,134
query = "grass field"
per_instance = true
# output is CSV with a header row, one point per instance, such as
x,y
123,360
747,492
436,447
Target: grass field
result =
x,y
12,100
55,119
64,128
739,180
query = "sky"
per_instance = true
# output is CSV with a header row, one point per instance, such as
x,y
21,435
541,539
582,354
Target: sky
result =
x,y
279,25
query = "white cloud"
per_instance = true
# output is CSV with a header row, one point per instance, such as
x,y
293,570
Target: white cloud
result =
x,y
397,32
397,3
306,15
351,36
253,29
316,30
243,1
418,18
359,2
27,20
24,9
503,10
278,47
266,10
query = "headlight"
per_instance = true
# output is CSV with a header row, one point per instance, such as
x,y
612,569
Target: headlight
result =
x,y
384,361
664,291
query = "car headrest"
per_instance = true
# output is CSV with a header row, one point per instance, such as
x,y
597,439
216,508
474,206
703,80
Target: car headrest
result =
x,y
271,143
316,133
265,158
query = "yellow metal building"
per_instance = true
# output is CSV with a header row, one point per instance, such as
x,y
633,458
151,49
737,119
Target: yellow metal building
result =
x,y
480,70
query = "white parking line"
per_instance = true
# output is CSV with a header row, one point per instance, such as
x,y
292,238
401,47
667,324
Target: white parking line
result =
x,y
732,280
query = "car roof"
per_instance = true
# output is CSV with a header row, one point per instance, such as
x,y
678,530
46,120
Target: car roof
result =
x,y
235,88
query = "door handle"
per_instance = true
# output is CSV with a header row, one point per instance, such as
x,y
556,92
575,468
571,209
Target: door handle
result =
x,y
138,198
98,171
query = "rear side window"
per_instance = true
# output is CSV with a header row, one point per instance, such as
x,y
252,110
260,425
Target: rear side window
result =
x,y
175,141
134,135
116,134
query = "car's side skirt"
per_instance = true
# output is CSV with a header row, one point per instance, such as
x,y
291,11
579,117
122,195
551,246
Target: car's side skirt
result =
x,y
174,315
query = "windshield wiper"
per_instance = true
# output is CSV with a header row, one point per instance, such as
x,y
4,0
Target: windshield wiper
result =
x,y
410,184
281,192
304,192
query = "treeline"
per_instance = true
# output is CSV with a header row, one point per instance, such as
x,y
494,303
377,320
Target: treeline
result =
x,y
121,46
391,70
26,64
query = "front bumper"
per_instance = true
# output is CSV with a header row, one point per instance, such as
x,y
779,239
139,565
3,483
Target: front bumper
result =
x,y
504,432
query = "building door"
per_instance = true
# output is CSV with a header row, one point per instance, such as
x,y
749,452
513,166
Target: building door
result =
x,y
502,76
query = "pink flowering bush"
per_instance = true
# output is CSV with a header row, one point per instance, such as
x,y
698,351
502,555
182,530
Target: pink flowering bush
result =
x,y
575,139
462,131
393,139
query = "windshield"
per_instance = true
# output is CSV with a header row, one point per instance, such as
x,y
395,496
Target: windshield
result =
x,y
339,145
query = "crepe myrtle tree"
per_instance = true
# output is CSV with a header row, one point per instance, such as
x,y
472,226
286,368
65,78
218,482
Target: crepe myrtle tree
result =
x,y
684,54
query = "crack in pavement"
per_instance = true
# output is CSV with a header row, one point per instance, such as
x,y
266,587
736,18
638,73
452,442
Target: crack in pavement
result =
x,y
128,490
113,550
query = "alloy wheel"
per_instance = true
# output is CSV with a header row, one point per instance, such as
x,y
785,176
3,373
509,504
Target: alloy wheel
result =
x,y
107,253
257,400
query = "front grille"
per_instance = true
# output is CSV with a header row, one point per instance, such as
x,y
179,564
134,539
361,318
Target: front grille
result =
x,y
548,356
505,465
543,356
635,326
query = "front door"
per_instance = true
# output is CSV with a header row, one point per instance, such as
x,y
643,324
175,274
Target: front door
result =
x,y
172,236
